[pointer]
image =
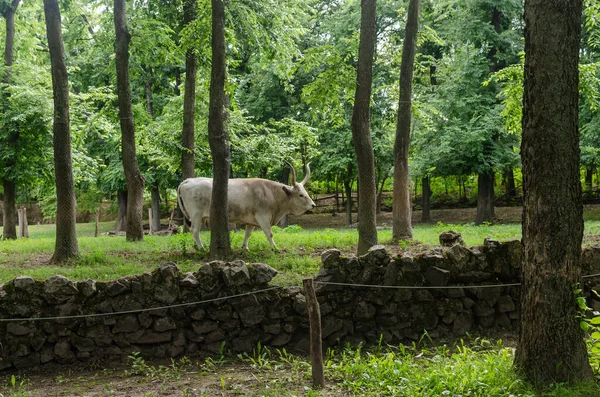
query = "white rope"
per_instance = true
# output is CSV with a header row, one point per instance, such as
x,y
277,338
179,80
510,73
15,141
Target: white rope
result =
x,y
431,287
418,287
137,310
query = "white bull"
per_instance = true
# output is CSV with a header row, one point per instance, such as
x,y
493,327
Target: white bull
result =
x,y
254,202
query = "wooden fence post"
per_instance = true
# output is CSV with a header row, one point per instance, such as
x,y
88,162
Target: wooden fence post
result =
x,y
20,228
149,220
316,343
25,225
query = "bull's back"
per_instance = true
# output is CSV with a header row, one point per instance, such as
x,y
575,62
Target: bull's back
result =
x,y
245,198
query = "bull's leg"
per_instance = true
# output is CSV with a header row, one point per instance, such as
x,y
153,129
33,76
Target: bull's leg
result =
x,y
247,234
265,225
196,224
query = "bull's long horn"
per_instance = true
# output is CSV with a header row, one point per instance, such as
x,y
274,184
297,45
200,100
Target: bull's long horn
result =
x,y
293,175
307,175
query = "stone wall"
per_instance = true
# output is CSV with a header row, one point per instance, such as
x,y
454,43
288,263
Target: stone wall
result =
x,y
276,317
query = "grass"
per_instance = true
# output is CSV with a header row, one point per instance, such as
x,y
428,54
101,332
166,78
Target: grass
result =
x,y
476,368
109,257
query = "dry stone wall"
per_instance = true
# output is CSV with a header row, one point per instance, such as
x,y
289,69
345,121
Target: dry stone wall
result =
x,y
277,317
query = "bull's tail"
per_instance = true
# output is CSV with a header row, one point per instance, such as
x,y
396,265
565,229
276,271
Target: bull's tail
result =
x,y
186,216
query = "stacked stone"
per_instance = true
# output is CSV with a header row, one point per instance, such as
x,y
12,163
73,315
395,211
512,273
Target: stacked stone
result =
x,y
276,318
363,314
239,322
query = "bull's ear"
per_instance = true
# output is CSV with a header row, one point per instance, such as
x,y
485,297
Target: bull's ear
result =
x,y
287,190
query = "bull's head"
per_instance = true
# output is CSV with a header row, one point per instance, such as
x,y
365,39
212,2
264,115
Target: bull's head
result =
x,y
300,201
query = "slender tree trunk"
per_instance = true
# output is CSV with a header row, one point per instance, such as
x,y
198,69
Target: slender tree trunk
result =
x,y
9,219
189,99
348,187
511,190
285,177
425,216
485,197
361,135
551,346
121,211
155,208
401,205
218,138
66,246
133,177
589,179
176,89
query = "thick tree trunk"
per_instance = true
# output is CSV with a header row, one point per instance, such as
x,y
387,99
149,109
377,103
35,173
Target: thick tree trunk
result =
x,y
189,99
485,197
9,219
218,137
551,346
425,215
66,246
121,211
134,179
361,136
401,205
155,208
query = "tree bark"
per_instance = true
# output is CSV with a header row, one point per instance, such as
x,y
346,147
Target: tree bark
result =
x,y
9,218
66,246
401,204
218,137
425,215
361,136
134,179
551,346
121,211
189,98
485,197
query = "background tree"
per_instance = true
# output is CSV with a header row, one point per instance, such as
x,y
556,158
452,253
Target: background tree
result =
x,y
66,235
402,204
551,346
133,177
220,244
187,135
361,135
9,231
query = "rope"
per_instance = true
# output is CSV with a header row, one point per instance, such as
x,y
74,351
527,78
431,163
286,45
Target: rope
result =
x,y
418,287
431,287
137,310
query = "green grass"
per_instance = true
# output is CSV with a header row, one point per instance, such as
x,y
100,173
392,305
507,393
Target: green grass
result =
x,y
109,257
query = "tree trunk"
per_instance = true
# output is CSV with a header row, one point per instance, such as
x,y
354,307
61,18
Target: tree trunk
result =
x,y
121,211
177,84
155,208
9,226
425,215
66,246
348,187
361,136
511,190
134,179
401,205
485,197
285,177
589,179
189,98
218,138
551,346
